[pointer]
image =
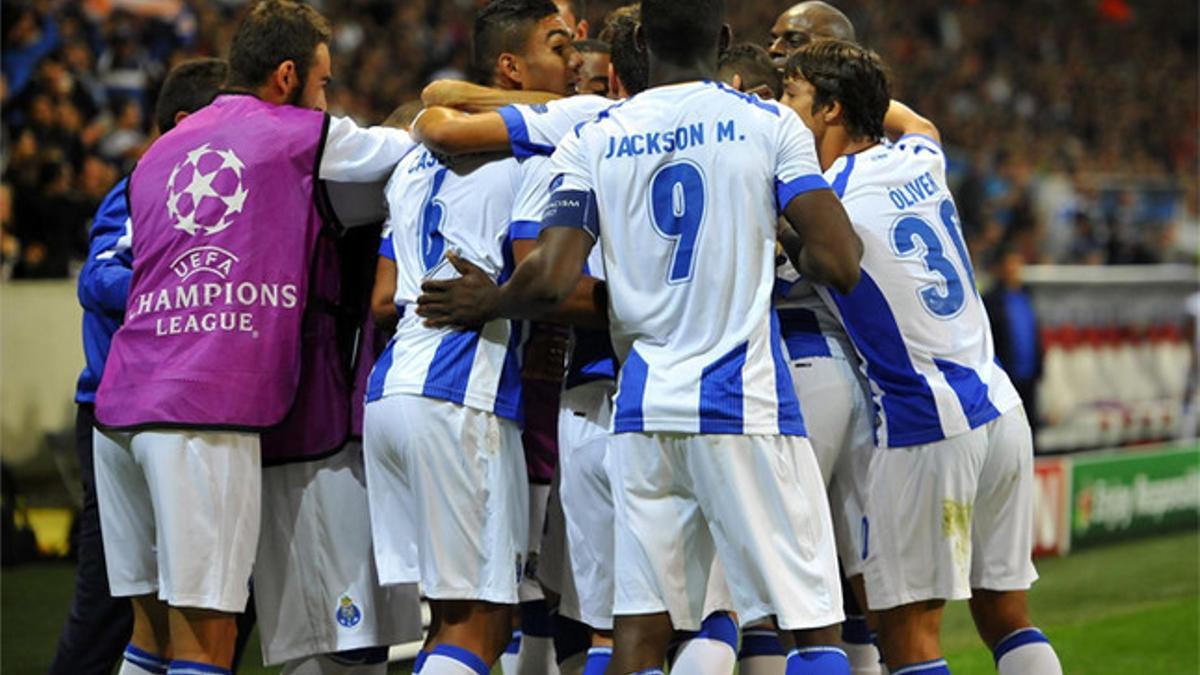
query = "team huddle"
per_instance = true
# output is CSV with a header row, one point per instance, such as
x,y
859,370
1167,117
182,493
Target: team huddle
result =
x,y
673,358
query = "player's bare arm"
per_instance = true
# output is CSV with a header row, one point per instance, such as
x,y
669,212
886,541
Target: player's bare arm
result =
x,y
901,120
474,299
383,303
447,131
820,241
474,98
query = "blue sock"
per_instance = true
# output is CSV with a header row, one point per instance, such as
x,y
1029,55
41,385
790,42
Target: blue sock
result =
x,y
934,667
760,642
597,660
420,661
514,646
145,660
818,661
1026,651
459,655
179,667
1016,639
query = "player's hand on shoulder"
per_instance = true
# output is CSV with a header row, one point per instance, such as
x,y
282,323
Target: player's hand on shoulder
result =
x,y
465,303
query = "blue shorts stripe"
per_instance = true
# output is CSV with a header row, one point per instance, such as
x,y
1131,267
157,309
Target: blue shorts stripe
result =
x,y
802,333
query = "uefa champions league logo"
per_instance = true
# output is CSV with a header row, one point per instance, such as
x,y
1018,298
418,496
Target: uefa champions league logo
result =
x,y
205,191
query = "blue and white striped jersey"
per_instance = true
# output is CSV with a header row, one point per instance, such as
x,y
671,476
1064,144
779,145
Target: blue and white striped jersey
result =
x,y
916,317
687,182
535,131
433,209
809,328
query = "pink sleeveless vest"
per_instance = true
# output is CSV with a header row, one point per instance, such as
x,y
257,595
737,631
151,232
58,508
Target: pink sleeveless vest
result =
x,y
225,226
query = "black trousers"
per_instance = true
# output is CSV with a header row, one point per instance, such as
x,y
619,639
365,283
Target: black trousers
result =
x,y
98,625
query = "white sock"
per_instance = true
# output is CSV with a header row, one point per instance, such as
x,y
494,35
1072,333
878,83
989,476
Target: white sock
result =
x,y
322,664
864,658
712,651
508,660
140,662
451,660
1026,652
536,656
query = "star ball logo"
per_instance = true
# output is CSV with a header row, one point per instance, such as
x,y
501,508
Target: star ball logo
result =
x,y
205,190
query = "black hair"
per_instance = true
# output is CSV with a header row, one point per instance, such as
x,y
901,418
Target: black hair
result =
x,y
189,87
681,32
504,26
852,75
274,31
592,47
630,63
755,66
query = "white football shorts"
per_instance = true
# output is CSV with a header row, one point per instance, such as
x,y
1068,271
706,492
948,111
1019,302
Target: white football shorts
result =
x,y
840,418
757,503
448,496
316,588
950,516
179,514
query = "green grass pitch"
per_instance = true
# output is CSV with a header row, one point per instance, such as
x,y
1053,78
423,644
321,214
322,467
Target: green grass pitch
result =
x,y
1126,608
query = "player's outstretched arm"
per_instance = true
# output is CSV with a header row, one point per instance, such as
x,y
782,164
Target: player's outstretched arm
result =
x,y
547,286
447,131
901,120
470,97
821,242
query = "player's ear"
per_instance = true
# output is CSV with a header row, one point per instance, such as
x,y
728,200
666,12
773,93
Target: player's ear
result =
x,y
510,67
581,29
737,83
639,39
726,38
832,112
285,78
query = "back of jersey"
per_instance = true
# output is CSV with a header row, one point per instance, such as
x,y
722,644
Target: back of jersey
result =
x,y
689,180
434,209
916,317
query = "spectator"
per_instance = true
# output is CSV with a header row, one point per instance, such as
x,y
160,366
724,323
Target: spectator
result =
x,y
1015,328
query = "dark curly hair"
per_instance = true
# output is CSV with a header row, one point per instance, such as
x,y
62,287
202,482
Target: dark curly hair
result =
x,y
849,74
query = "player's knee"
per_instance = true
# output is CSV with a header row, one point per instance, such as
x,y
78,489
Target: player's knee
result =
x,y
999,613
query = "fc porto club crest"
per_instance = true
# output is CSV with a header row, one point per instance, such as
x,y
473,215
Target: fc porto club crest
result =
x,y
205,191
348,614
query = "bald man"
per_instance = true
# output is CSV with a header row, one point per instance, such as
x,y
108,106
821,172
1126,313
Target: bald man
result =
x,y
805,22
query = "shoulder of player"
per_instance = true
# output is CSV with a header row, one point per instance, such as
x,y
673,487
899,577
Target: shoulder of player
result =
x,y
769,109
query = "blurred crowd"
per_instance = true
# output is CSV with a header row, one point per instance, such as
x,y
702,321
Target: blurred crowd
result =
x,y
1072,125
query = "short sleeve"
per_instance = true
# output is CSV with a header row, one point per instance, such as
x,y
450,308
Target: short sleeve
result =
x,y
573,191
387,248
923,148
533,196
797,169
538,129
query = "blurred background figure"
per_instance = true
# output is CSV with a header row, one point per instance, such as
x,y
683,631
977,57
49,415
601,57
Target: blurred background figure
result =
x,y
1015,328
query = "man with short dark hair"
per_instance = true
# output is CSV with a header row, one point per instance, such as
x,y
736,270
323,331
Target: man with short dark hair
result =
x,y
223,276
748,67
440,425
690,315
98,625
593,75
950,485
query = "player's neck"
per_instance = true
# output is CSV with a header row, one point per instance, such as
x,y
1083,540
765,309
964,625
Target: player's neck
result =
x,y
835,143
662,73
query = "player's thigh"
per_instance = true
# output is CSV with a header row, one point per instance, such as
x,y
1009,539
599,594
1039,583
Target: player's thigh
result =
x,y
207,492
752,488
126,515
471,499
1003,524
919,511
662,549
390,498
